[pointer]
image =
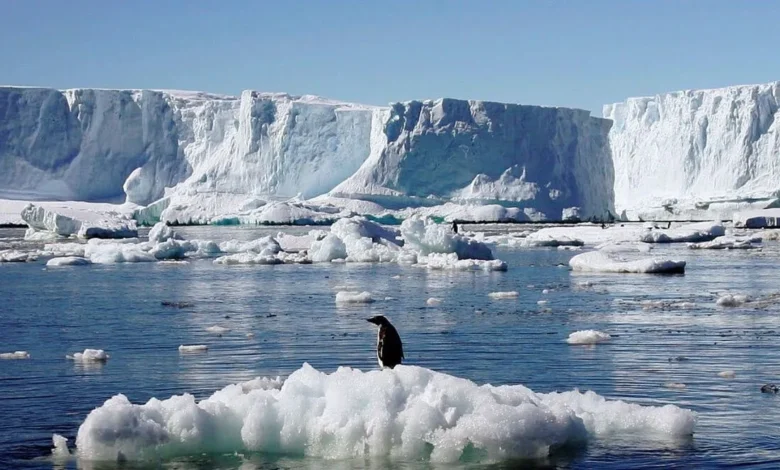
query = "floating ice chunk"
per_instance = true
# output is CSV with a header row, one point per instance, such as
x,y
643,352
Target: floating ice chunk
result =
x,y
60,446
217,330
757,218
433,302
329,248
727,374
162,233
543,239
407,413
168,250
299,242
545,291
426,237
64,249
66,221
587,337
248,258
698,232
89,355
352,297
597,261
15,355
16,256
360,227
450,261
727,243
264,246
33,235
732,300
191,348
109,253
541,302
504,295
68,261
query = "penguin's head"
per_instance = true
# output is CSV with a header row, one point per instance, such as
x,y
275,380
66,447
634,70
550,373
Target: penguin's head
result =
x,y
378,320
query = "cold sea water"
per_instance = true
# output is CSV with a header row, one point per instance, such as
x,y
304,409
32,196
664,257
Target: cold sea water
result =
x,y
665,330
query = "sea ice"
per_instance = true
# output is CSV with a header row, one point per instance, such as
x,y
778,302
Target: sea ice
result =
x,y
504,295
352,297
15,355
89,355
732,300
587,337
597,261
698,232
193,348
68,261
408,413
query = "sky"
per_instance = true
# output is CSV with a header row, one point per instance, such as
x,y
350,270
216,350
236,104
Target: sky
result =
x,y
579,54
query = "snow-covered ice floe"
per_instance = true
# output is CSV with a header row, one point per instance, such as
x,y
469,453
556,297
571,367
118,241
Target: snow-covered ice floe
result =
x,y
588,337
16,256
504,295
353,297
193,348
407,413
67,221
68,261
89,355
602,262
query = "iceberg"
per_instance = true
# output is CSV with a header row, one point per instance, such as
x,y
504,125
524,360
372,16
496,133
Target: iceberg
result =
x,y
696,154
193,157
407,413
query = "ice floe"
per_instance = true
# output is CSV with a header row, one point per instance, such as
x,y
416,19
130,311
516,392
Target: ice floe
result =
x,y
407,413
67,221
89,355
599,261
193,348
353,297
68,261
588,337
504,295
15,355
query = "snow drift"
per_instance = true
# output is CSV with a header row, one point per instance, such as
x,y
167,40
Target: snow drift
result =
x,y
406,413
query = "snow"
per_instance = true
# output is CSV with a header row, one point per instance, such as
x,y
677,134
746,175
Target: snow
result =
x,y
68,261
697,153
504,295
599,261
15,355
89,355
67,221
425,236
408,413
328,249
193,348
450,261
162,233
16,256
588,337
351,297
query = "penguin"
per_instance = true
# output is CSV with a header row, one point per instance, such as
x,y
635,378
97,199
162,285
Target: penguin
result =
x,y
389,349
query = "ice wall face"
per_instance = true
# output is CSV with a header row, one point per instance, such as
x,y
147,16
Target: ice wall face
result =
x,y
212,155
83,144
696,150
547,159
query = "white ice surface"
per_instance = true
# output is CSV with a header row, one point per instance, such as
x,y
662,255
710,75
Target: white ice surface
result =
x,y
90,355
599,261
588,337
352,297
407,413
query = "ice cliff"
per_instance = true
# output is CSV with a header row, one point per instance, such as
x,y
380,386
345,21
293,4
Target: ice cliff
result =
x,y
699,153
211,155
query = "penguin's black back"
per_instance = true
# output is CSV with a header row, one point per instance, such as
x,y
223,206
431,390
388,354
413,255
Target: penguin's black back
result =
x,y
389,349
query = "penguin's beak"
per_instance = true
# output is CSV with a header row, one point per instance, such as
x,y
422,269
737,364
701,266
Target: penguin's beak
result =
x,y
371,320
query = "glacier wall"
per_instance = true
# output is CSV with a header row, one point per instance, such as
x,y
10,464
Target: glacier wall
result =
x,y
537,158
219,152
698,153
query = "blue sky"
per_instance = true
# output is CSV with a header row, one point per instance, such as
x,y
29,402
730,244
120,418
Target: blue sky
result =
x,y
559,53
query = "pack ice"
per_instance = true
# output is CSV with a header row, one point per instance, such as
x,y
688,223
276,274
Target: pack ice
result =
x,y
198,157
408,413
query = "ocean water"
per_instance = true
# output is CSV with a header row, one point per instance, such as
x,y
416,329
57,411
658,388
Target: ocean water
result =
x,y
291,312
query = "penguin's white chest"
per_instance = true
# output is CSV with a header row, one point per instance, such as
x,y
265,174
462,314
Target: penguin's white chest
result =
x,y
379,336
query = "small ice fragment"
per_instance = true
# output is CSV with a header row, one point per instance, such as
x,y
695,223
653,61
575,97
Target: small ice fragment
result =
x,y
541,302
675,385
250,335
60,446
351,297
727,374
433,302
15,355
545,291
397,276
587,337
193,348
585,284
217,330
389,298
731,300
89,355
504,295
68,261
